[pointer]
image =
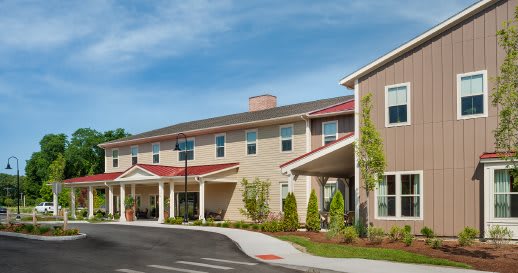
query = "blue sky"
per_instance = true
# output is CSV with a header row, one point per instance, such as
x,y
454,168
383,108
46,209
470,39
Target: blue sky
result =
x,y
141,66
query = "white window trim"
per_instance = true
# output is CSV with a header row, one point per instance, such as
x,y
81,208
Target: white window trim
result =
x,y
131,154
256,142
408,105
323,134
280,194
398,216
216,146
292,137
118,158
489,175
484,90
193,149
153,153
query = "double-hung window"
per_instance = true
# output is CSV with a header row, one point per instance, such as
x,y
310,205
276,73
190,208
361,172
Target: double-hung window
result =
x,y
329,131
115,158
251,142
286,138
220,146
397,99
472,95
284,194
134,155
156,153
505,195
399,195
329,192
186,150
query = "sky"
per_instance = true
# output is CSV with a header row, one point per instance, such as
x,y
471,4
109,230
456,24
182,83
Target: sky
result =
x,y
143,65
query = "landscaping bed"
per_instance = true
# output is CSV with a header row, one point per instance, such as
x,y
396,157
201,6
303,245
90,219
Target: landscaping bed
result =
x,y
40,230
480,256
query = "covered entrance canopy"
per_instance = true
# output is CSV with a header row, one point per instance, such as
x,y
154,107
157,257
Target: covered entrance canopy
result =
x,y
147,177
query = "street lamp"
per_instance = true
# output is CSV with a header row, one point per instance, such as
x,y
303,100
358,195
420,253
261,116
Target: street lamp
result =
x,y
17,180
177,148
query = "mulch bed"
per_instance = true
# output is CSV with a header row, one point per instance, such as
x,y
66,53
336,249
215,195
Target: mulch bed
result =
x,y
481,256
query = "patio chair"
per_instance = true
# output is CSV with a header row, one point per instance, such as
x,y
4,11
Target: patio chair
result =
x,y
324,219
349,219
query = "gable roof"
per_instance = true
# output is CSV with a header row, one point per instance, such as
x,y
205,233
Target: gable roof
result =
x,y
102,177
291,110
349,80
342,107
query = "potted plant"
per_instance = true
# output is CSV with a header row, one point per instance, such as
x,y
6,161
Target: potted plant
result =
x,y
129,203
166,208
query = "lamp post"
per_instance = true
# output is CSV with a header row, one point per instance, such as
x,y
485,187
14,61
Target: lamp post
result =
x,y
17,181
177,148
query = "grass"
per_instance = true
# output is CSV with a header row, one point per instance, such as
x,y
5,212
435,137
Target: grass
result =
x,y
345,251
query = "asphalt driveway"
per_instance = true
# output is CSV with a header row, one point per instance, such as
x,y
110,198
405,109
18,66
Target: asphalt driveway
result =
x,y
116,248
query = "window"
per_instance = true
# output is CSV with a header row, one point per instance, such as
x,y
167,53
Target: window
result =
x,y
505,195
156,153
329,131
286,138
399,195
472,95
251,142
284,194
397,99
115,158
329,192
134,155
220,146
186,149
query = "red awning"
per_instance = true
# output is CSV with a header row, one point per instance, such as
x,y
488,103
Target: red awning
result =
x,y
495,155
94,178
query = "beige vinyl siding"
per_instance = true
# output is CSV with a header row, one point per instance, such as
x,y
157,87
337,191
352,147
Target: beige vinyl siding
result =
x,y
264,165
446,149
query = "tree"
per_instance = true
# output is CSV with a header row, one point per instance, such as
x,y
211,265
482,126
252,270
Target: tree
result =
x,y
336,211
56,174
506,96
369,150
290,222
256,196
312,216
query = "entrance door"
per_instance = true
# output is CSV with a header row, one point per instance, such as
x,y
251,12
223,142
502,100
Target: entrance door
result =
x,y
153,206
192,204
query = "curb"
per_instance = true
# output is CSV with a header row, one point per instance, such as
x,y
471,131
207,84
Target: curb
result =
x,y
43,238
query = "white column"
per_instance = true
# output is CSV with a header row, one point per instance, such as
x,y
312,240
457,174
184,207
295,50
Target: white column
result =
x,y
202,200
171,199
90,202
55,203
122,198
357,177
161,202
110,200
133,194
73,202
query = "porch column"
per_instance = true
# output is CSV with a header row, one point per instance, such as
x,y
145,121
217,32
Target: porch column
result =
x,y
123,208
161,202
73,202
55,203
171,199
322,180
133,192
90,202
110,200
202,200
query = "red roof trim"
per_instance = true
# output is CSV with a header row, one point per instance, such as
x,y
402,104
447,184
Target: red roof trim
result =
x,y
345,106
495,155
94,178
317,149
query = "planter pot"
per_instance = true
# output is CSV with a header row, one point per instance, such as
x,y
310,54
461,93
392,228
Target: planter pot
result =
x,y
129,215
166,214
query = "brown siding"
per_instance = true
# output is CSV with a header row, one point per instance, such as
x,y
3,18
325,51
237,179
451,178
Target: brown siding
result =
x,y
446,149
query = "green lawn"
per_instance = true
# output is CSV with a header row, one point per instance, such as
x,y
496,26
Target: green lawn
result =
x,y
345,251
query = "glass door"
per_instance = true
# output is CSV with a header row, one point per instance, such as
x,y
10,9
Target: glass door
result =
x,y
192,204
153,206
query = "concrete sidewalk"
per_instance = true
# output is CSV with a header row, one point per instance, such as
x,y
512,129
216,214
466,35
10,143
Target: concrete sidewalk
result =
x,y
256,244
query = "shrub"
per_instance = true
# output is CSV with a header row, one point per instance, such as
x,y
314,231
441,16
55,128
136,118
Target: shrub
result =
x,y
375,235
312,216
72,231
499,235
57,231
427,232
361,229
335,229
99,215
256,227
18,228
178,220
407,229
2,226
237,224
467,236
435,243
350,234
290,221
117,216
226,224
110,216
197,222
84,213
273,223
336,210
245,226
43,229
396,233
28,228
255,197
210,221
408,238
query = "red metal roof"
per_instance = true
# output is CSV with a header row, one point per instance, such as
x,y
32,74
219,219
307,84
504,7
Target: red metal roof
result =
x,y
317,149
348,105
495,155
158,170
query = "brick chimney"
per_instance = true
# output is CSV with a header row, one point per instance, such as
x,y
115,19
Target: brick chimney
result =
x,y
262,102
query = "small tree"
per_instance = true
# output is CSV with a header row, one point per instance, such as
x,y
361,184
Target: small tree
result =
x,y
506,96
290,221
336,211
312,215
369,150
256,196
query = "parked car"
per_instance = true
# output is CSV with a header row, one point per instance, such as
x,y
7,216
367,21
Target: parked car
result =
x,y
45,207
3,210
